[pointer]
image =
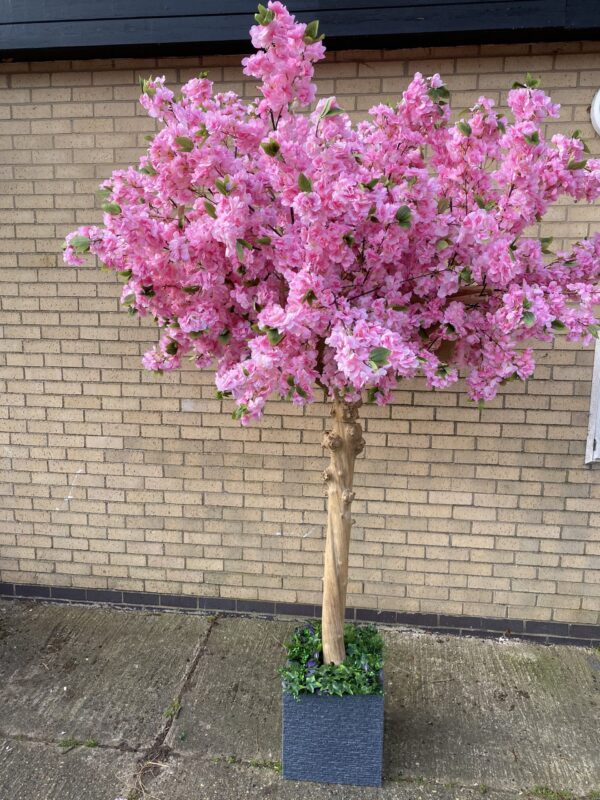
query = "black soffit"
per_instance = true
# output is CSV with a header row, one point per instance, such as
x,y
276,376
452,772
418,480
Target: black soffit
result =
x,y
38,29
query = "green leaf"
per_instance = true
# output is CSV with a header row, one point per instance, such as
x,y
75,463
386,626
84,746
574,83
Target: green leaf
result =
x,y
129,300
578,135
148,170
191,289
312,30
111,208
576,164
239,411
271,147
274,336
531,82
172,348
240,246
378,357
148,291
370,185
222,395
80,244
224,336
528,319
443,205
464,127
594,330
439,94
557,325
329,110
210,209
371,215
304,183
185,143
348,238
263,240
533,138
222,186
545,242
403,216
309,297
465,275
125,273
442,244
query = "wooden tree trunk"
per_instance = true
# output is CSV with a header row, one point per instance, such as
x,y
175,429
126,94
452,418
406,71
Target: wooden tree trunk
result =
x,y
344,442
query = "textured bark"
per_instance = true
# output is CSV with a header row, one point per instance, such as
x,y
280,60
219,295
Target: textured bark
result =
x,y
344,442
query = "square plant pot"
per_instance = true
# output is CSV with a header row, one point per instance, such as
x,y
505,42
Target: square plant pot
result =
x,y
333,739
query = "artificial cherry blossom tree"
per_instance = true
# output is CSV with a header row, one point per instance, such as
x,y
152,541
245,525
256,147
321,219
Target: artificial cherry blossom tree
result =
x,y
299,252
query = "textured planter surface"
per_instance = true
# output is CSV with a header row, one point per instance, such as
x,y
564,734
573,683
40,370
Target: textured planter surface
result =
x,y
333,739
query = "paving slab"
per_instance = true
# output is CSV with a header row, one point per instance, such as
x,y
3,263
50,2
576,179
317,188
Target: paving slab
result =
x,y
233,704
503,713
465,717
194,778
37,771
90,673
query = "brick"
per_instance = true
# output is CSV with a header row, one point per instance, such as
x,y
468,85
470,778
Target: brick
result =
x,y
459,511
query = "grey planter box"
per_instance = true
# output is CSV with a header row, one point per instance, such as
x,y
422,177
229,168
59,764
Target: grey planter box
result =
x,y
333,739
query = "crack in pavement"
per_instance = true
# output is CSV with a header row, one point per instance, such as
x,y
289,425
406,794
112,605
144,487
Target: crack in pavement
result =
x,y
156,756
122,747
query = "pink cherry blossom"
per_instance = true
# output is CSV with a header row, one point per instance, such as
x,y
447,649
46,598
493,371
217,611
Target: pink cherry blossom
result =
x,y
295,250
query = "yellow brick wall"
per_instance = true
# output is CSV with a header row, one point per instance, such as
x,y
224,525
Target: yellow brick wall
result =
x,y
113,478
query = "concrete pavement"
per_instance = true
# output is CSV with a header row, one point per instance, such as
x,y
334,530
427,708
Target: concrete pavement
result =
x,y
99,704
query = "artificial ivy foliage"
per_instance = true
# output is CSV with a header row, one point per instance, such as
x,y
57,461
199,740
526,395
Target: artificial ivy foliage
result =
x,y
361,672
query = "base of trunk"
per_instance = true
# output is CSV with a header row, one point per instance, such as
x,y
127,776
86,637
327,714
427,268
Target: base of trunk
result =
x,y
333,739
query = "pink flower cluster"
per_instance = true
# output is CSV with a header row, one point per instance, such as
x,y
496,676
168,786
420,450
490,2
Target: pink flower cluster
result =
x,y
299,251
